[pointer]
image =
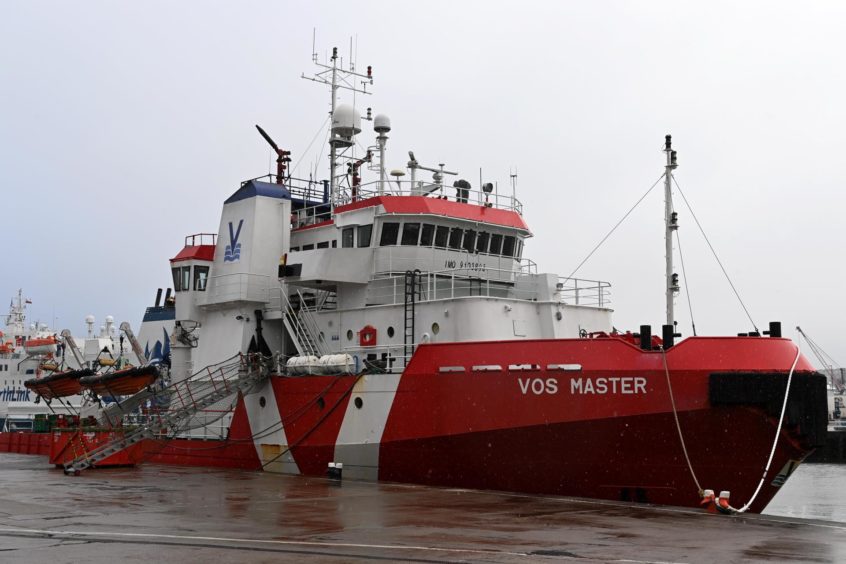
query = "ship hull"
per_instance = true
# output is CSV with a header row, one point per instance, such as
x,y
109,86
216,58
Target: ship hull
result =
x,y
586,418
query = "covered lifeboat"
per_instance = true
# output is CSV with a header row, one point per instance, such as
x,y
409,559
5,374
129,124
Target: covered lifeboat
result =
x,y
42,345
121,382
59,384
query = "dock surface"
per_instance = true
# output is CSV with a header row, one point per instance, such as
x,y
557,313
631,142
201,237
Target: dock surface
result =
x,y
167,513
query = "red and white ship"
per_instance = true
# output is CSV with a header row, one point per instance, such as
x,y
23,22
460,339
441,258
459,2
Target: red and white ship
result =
x,y
410,340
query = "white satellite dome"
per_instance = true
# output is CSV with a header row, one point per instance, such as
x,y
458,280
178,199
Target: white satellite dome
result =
x,y
381,123
110,319
346,121
89,319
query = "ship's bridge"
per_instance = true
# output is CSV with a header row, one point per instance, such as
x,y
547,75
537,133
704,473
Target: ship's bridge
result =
x,y
377,236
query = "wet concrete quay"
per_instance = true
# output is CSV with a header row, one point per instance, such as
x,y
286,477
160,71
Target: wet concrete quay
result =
x,y
168,513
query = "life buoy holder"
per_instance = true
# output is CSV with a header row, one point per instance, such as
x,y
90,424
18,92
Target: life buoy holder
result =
x,y
367,336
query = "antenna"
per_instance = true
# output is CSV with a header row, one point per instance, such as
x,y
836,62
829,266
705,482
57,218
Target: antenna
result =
x,y
282,157
337,78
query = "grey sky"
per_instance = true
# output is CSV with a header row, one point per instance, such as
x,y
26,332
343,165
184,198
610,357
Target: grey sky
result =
x,y
123,127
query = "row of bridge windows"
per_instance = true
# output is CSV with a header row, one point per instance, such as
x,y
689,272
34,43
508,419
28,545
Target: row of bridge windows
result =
x,y
456,238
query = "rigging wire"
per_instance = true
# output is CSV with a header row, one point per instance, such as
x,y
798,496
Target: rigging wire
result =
x,y
313,139
590,254
719,262
686,286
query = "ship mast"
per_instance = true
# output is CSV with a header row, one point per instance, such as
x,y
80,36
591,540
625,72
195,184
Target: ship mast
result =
x,y
337,77
670,225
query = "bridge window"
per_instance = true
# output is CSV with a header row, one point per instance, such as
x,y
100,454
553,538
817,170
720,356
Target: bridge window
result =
x,y
181,278
427,234
309,247
469,241
441,236
347,236
390,232
482,242
455,237
508,246
496,244
410,233
201,278
323,245
295,249
365,233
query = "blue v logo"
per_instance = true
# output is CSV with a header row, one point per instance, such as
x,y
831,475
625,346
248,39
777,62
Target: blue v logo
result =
x,y
232,253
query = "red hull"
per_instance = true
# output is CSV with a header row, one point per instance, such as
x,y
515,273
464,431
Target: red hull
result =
x,y
485,425
492,428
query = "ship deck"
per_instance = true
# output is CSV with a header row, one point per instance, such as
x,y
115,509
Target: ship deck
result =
x,y
169,513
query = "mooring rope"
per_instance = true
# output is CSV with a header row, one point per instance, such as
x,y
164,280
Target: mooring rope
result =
x,y
778,432
678,425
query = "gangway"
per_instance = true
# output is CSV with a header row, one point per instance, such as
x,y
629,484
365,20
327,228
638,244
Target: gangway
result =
x,y
184,399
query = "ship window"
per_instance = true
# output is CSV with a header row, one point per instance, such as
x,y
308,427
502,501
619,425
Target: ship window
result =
x,y
347,236
295,249
365,233
201,278
441,237
309,247
427,233
30,371
482,242
496,244
334,243
177,286
455,237
469,240
323,245
519,248
186,277
410,233
508,246
390,231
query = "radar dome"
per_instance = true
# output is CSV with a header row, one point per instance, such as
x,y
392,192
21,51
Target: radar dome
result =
x,y
110,319
346,121
381,123
89,319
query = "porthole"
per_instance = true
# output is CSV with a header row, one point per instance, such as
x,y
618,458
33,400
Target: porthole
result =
x,y
359,403
436,328
390,332
262,401
349,335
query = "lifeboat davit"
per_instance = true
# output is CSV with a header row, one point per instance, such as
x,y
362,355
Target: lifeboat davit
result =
x,y
122,382
43,345
58,385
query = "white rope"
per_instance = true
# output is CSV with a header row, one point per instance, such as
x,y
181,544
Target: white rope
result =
x,y
775,441
678,425
778,432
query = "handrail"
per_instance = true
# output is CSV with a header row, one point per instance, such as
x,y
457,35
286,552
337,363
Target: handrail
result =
x,y
310,325
462,282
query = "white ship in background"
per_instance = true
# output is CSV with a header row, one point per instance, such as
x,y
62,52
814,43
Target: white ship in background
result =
x,y
35,350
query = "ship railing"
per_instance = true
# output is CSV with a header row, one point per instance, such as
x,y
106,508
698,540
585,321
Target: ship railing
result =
x,y
576,291
314,198
391,358
463,283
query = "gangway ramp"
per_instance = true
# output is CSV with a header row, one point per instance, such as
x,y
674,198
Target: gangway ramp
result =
x,y
182,401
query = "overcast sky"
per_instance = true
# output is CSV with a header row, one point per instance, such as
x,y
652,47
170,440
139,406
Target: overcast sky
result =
x,y
124,125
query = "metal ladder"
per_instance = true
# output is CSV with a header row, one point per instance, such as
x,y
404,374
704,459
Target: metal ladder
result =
x,y
302,327
412,290
187,397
